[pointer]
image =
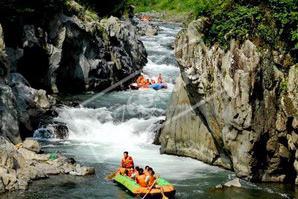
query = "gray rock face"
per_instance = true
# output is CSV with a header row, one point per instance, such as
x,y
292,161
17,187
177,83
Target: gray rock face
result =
x,y
243,108
30,103
20,105
72,55
9,126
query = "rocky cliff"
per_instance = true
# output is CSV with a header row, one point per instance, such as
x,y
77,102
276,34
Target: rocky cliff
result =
x,y
20,104
235,108
68,48
58,47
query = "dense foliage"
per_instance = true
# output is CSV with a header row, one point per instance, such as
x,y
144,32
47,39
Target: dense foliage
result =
x,y
161,5
268,22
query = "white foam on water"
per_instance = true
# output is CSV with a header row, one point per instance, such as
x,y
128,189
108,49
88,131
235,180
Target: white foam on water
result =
x,y
104,136
106,140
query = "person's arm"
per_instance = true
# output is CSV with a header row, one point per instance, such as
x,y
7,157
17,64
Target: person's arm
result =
x,y
122,164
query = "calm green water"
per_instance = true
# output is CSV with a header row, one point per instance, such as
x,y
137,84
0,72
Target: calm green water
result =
x,y
126,120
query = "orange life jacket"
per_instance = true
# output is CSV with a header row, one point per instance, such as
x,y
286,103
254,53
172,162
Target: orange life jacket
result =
x,y
146,173
127,163
141,180
151,181
140,79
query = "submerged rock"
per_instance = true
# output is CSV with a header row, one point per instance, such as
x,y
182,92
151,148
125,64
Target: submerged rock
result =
x,y
236,108
233,183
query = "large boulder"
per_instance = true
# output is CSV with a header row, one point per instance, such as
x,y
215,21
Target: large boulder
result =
x,y
244,104
19,166
32,145
31,104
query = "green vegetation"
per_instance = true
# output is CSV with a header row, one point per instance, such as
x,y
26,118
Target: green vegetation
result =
x,y
284,85
83,12
267,22
162,5
181,9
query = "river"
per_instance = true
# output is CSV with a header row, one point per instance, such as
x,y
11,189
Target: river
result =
x,y
125,120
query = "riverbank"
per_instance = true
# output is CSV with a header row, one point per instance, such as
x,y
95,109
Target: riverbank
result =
x,y
25,162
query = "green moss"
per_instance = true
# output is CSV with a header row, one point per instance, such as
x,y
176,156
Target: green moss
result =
x,y
73,6
83,12
284,85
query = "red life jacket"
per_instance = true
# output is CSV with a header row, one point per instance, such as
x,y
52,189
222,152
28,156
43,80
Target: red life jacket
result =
x,y
127,163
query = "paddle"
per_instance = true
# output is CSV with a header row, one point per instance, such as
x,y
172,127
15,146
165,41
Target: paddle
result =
x,y
162,193
150,189
111,176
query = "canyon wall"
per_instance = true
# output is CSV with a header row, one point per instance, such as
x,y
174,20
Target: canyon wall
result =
x,y
234,108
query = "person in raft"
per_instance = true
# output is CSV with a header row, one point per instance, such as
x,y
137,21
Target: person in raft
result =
x,y
160,79
141,178
150,178
127,164
146,172
141,80
135,173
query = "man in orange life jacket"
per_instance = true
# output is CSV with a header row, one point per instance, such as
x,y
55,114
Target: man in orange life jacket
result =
x,y
127,161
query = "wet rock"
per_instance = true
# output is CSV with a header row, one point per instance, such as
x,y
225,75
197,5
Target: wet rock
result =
x,y
59,130
219,186
19,166
82,171
31,145
70,161
233,183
